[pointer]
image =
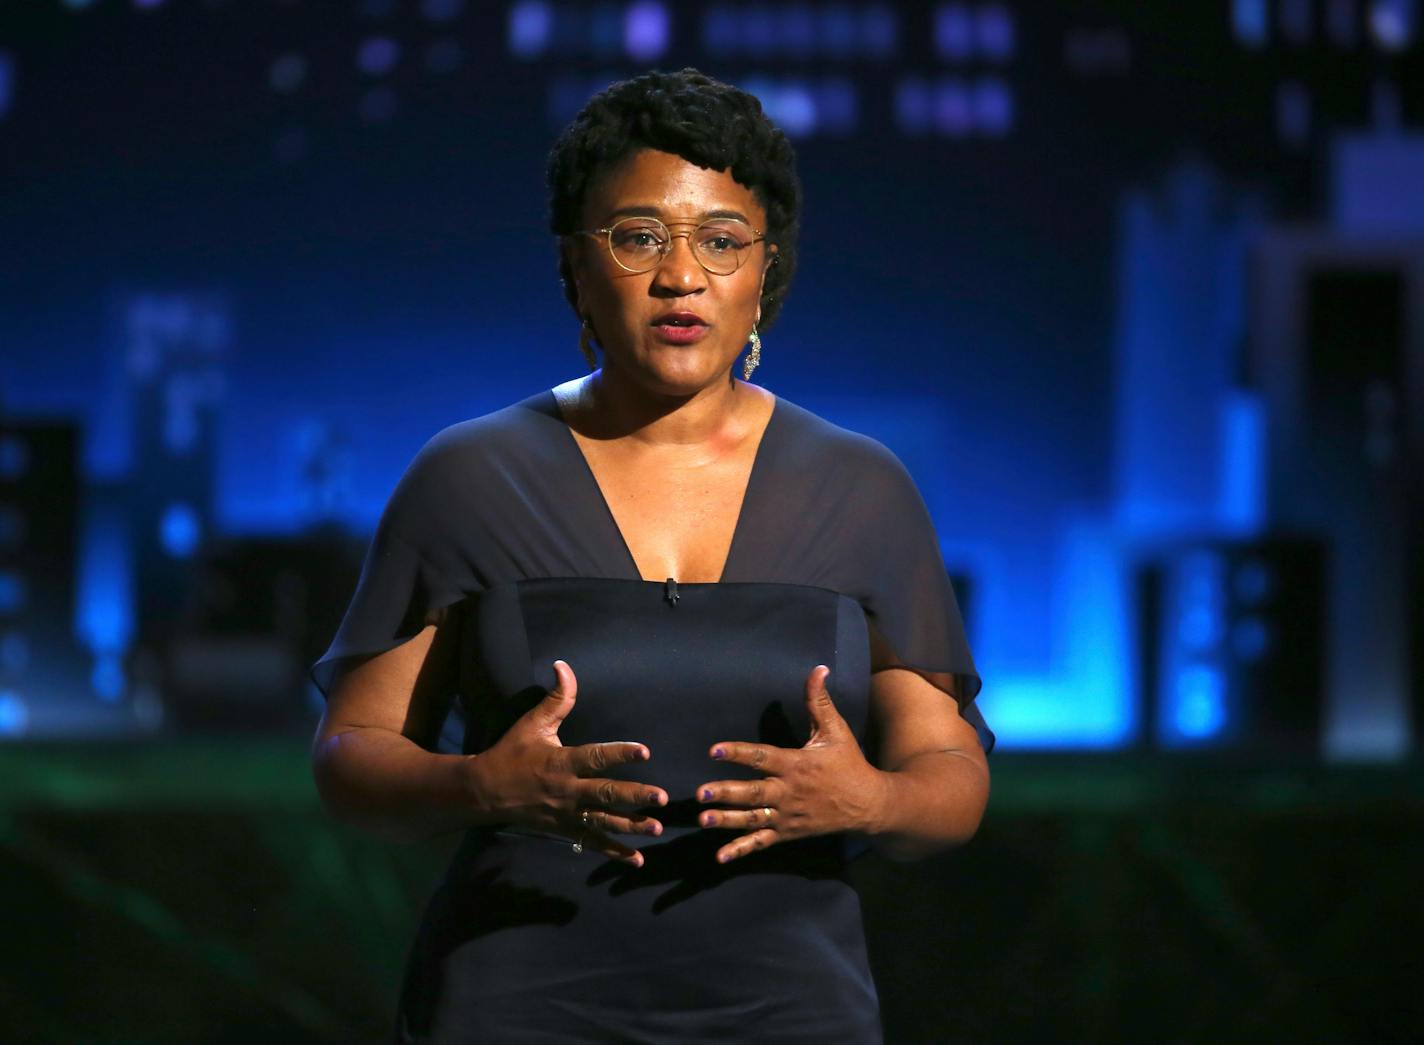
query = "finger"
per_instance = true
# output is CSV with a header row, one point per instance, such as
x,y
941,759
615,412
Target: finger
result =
x,y
740,792
592,838
746,844
586,759
618,794
825,718
549,713
611,823
765,757
739,819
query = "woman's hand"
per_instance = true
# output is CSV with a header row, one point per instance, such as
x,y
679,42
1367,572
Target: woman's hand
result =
x,y
825,786
528,777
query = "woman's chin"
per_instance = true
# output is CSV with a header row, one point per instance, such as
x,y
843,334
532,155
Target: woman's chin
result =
x,y
680,371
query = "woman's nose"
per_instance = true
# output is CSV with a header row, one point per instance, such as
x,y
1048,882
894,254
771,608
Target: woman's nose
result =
x,y
680,268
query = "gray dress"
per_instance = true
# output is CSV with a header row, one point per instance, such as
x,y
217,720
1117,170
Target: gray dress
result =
x,y
499,522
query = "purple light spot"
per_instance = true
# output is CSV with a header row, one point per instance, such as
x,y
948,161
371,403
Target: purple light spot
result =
x,y
1392,23
530,25
794,109
993,107
147,5
954,32
645,31
995,29
377,55
953,109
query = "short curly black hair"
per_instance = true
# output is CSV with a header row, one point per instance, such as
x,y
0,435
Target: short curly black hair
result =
x,y
706,122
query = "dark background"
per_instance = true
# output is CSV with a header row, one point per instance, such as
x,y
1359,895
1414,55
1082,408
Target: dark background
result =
x,y
1135,290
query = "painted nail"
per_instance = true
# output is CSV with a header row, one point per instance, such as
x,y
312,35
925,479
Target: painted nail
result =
x,y
651,829
710,819
717,752
706,794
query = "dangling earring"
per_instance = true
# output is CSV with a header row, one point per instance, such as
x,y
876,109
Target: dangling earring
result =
x,y
753,359
586,344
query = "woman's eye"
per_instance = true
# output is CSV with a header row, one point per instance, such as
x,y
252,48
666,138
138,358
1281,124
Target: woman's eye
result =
x,y
719,244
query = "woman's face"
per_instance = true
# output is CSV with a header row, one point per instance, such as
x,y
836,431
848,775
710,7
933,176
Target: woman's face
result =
x,y
626,308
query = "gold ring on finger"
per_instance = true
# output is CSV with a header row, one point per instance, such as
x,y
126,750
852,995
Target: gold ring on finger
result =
x,y
585,818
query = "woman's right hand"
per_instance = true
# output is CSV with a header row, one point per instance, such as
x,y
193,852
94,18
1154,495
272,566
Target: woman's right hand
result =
x,y
528,777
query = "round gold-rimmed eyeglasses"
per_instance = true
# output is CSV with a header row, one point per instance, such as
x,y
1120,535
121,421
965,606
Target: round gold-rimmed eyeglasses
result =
x,y
639,244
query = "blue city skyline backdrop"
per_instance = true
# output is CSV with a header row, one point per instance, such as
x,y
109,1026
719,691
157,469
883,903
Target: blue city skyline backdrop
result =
x,y
970,293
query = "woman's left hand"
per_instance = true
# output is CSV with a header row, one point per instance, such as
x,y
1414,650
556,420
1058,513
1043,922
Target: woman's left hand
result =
x,y
822,787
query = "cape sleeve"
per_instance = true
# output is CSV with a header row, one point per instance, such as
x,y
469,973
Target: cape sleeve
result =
x,y
900,579
412,572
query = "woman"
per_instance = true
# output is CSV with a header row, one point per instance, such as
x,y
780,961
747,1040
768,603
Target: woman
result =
x,y
703,639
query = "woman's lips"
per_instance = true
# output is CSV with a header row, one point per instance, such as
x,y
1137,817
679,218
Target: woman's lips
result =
x,y
675,334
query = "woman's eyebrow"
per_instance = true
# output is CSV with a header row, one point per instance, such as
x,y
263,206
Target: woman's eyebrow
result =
x,y
657,212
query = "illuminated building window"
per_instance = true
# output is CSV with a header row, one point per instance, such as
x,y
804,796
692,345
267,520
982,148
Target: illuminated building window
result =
x,y
837,31
12,592
994,28
107,679
1200,702
377,55
1295,20
954,32
1250,22
14,715
953,109
1341,22
14,457
1392,23
442,10
719,31
12,527
993,107
531,27
645,31
7,83
14,653
798,30
1293,115
879,31
179,530
912,106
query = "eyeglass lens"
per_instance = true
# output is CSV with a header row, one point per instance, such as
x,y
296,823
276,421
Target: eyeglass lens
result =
x,y
641,243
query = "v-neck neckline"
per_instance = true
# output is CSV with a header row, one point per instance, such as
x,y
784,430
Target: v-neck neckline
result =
x,y
631,563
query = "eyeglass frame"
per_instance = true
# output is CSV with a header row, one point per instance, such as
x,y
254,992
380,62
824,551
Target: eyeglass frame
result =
x,y
758,236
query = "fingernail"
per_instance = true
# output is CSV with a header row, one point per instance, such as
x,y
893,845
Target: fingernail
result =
x,y
654,798
651,829
722,858
717,752
709,820
706,794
